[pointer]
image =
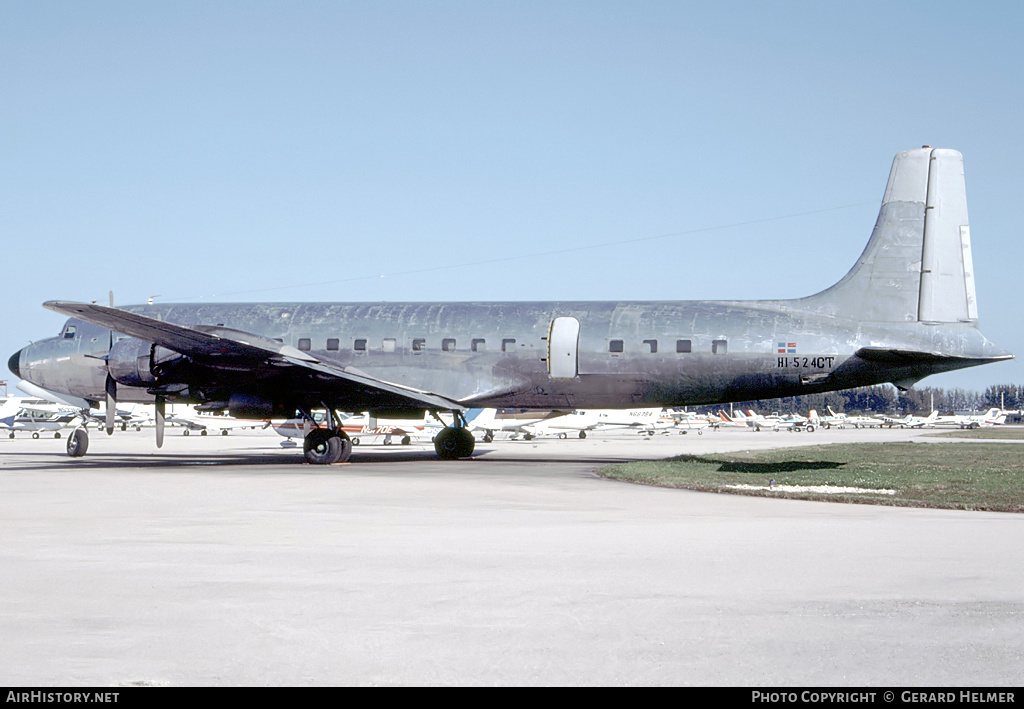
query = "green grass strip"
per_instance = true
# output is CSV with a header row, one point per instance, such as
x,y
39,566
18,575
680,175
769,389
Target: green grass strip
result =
x,y
966,476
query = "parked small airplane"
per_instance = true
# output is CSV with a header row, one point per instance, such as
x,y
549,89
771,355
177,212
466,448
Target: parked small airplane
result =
x,y
582,421
356,426
34,416
689,421
842,420
204,422
910,421
992,417
906,310
792,422
737,420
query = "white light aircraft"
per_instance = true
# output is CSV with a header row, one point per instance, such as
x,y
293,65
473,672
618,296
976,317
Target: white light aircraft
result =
x,y
992,417
910,421
843,420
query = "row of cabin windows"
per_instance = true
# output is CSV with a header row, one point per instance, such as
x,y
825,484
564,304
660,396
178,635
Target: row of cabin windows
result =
x,y
419,344
682,346
479,344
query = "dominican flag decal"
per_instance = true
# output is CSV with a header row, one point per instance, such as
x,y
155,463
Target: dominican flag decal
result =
x,y
787,348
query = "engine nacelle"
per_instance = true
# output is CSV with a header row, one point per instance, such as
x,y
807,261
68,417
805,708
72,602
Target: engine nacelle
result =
x,y
253,406
135,362
129,362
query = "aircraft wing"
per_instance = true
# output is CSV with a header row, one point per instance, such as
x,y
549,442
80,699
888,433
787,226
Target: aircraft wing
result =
x,y
219,346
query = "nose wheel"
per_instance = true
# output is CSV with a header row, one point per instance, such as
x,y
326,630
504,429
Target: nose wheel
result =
x,y
78,443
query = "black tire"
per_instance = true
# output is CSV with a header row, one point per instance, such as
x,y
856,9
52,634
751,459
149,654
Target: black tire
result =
x,y
454,443
583,434
323,447
78,443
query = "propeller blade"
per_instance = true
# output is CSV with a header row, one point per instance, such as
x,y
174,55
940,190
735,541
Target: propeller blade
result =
x,y
160,422
111,404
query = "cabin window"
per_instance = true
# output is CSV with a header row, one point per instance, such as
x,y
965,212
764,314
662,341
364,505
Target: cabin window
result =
x,y
478,344
719,347
448,344
650,346
615,346
389,344
359,346
304,344
69,332
508,344
332,344
684,346
418,344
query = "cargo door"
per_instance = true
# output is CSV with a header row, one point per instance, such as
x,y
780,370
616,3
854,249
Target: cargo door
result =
x,y
563,348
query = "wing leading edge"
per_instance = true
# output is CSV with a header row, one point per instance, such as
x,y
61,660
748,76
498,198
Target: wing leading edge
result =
x,y
215,346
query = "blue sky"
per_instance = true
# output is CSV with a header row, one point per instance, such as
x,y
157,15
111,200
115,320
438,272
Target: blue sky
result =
x,y
231,151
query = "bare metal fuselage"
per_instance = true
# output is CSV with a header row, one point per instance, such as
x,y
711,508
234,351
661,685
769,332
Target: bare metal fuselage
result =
x,y
499,354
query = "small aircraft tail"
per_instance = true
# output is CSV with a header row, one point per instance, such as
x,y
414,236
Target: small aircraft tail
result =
x,y
917,266
480,418
8,412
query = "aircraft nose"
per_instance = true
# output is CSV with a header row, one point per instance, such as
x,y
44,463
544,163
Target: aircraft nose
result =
x,y
14,363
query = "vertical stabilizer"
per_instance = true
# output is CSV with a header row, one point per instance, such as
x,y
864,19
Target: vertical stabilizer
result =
x,y
917,264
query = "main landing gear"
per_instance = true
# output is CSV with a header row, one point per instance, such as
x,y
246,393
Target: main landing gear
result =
x,y
322,446
453,443
326,446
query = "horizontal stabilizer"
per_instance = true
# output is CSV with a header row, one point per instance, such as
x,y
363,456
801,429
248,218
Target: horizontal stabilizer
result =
x,y
894,356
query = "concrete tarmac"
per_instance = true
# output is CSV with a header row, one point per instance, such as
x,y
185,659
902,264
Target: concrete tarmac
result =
x,y
228,561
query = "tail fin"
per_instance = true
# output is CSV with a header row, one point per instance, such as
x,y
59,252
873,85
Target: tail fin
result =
x,y
480,418
8,412
917,265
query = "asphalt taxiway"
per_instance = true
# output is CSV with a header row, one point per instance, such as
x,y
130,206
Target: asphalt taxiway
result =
x,y
228,561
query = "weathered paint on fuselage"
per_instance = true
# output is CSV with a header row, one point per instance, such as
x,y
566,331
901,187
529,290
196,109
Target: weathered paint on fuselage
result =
x,y
495,354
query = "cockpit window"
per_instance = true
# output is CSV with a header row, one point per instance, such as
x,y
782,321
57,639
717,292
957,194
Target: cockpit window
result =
x,y
69,332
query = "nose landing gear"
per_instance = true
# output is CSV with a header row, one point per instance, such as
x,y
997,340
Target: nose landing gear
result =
x,y
78,443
